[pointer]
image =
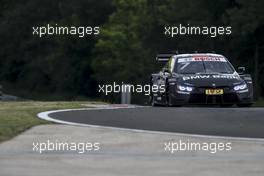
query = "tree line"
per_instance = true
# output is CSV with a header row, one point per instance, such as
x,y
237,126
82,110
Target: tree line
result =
x,y
131,34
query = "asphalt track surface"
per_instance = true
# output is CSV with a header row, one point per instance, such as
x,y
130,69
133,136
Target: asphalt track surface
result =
x,y
233,122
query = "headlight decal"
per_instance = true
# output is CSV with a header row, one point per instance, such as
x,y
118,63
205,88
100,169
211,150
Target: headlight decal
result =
x,y
184,88
240,87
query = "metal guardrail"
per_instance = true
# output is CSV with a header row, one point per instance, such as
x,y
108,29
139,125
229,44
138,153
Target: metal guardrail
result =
x,y
126,95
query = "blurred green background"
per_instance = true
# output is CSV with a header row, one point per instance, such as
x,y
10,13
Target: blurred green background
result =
x,y
131,34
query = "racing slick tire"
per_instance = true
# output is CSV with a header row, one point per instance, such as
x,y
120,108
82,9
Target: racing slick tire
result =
x,y
169,104
170,101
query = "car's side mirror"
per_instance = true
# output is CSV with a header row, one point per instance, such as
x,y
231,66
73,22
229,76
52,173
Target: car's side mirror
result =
x,y
241,70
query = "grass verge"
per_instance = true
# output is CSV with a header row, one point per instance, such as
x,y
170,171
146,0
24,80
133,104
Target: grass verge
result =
x,y
16,117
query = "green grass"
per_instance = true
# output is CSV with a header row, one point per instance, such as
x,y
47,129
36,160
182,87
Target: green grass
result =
x,y
16,117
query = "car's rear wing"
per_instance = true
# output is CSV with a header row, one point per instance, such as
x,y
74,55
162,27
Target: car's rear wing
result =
x,y
167,56
164,57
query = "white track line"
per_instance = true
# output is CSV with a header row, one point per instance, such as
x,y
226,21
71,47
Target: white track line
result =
x,y
45,116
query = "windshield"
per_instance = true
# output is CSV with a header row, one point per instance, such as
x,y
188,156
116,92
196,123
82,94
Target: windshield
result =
x,y
196,65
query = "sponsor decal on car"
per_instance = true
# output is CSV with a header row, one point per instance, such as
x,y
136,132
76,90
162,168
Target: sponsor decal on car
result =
x,y
210,76
202,58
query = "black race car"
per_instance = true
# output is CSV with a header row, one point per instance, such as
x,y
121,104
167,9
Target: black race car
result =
x,y
200,78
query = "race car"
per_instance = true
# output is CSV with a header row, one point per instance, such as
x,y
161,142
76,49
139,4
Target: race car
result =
x,y
200,78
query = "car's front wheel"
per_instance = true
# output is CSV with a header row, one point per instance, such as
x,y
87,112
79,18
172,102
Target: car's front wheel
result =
x,y
170,101
152,101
